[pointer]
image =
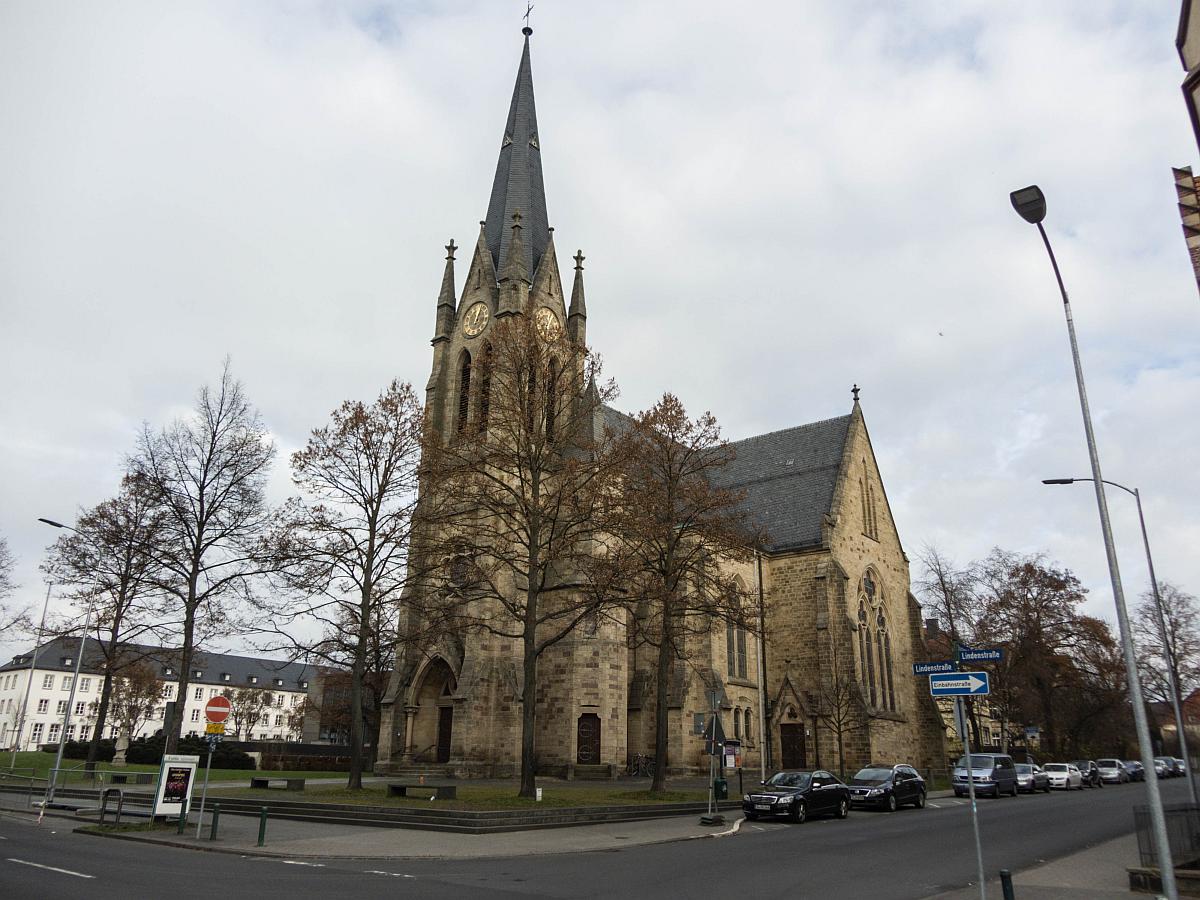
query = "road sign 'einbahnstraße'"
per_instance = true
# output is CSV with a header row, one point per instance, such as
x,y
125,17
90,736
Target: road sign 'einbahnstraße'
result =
x,y
929,668
217,709
983,654
959,684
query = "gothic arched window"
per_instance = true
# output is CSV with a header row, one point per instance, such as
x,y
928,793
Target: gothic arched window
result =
x,y
485,387
551,398
464,390
737,723
887,655
865,653
730,656
887,693
749,728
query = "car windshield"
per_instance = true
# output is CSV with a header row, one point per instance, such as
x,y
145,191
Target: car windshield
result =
x,y
789,779
1108,763
1023,769
1055,767
1081,763
977,762
871,776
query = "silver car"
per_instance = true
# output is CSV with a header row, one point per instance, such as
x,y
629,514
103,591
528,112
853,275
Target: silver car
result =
x,y
1031,778
1112,771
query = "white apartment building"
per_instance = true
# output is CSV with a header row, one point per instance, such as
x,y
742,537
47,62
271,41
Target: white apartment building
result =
x,y
53,671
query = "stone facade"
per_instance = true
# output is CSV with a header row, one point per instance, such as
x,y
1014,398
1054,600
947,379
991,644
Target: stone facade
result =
x,y
841,627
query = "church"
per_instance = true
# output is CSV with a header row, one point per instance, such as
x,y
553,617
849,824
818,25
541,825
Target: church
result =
x,y
829,684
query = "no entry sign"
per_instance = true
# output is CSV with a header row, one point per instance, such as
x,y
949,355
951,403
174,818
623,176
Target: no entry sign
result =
x,y
217,709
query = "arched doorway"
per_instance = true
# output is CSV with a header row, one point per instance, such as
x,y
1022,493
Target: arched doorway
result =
x,y
792,751
433,722
587,733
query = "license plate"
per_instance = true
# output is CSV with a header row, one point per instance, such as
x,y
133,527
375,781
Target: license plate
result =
x,y
762,806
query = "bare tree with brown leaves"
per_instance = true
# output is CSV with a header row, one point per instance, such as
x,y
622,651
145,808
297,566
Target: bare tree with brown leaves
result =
x,y
246,706
136,693
674,536
343,547
108,563
208,474
11,620
528,475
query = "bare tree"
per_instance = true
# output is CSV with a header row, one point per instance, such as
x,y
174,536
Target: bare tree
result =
x,y
136,693
673,535
1180,655
208,475
246,706
839,705
11,620
343,547
108,564
531,472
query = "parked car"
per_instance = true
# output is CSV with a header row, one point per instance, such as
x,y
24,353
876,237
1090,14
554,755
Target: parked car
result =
x,y
798,795
992,773
1137,772
1064,775
1031,778
1090,772
1180,767
1163,767
887,787
1112,771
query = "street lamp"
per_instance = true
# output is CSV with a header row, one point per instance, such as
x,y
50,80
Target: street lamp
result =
x,y
1030,204
29,683
62,738
1162,627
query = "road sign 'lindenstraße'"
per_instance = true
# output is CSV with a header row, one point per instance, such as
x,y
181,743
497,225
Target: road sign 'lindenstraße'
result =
x,y
930,668
983,654
959,684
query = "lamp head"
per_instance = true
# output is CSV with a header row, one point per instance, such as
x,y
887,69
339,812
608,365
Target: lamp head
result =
x,y
52,523
1030,203
1058,481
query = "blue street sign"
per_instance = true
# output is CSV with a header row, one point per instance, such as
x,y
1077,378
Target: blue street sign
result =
x,y
959,684
929,668
984,654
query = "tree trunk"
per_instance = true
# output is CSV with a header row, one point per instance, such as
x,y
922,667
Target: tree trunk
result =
x,y
101,720
528,714
357,670
661,694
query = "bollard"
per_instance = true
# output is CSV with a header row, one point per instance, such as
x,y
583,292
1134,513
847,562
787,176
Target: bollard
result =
x,y
262,827
216,814
182,820
1006,884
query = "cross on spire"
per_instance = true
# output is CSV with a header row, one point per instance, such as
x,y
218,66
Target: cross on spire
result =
x,y
854,390
450,248
579,258
528,9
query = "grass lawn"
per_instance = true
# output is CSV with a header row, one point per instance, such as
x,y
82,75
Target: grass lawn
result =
x,y
38,764
471,797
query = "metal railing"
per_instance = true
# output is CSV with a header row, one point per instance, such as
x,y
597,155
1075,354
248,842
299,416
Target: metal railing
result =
x,y
1183,834
29,782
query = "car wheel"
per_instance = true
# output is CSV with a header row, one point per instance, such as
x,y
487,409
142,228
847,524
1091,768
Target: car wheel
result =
x,y
1014,790
1046,789
919,803
799,812
843,808
890,803
753,817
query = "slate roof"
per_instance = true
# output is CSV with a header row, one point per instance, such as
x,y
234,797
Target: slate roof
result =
x,y
214,666
518,182
789,477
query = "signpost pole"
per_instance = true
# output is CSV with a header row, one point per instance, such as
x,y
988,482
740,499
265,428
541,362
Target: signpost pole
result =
x,y
966,736
212,745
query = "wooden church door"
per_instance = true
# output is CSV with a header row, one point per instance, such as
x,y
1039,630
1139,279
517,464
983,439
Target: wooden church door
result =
x,y
588,734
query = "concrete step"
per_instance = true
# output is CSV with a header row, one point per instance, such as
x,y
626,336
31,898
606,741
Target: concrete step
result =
x,y
594,773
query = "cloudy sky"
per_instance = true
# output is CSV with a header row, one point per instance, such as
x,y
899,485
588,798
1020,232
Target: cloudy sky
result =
x,y
776,201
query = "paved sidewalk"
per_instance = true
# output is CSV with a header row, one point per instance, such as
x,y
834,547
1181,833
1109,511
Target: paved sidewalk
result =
x,y
1097,873
306,840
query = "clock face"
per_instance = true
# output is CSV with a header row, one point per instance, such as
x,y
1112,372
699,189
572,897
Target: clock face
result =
x,y
546,323
476,319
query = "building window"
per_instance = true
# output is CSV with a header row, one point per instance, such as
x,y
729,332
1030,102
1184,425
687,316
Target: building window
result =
x,y
749,727
196,673
253,679
865,656
37,732
464,390
47,682
80,707
887,655
60,707
212,692
70,732
43,706
198,694
741,652
66,682
195,715
278,720
737,724
225,676
85,685
55,728
278,682
730,655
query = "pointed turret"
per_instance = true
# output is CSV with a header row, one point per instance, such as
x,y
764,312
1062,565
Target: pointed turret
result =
x,y
577,316
514,277
518,182
446,302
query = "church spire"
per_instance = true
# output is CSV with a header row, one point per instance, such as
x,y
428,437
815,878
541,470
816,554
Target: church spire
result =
x,y
577,317
518,182
446,302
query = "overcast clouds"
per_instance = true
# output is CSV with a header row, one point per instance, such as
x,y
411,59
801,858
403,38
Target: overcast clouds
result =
x,y
775,201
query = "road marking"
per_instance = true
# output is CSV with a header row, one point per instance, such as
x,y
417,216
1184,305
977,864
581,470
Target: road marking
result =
x,y
296,862
26,862
733,830
390,874
933,806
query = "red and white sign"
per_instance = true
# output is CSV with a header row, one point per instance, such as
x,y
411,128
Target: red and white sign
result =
x,y
217,709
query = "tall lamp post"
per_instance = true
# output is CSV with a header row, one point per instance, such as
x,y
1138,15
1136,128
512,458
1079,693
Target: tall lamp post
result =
x,y
1172,684
29,684
1030,204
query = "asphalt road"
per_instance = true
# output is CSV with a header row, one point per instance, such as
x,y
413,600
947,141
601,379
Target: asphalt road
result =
x,y
908,854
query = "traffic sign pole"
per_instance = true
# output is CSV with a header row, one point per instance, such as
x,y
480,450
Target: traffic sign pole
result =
x,y
212,745
216,711
966,736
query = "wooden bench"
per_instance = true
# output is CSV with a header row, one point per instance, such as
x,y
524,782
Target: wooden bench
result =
x,y
288,784
138,777
440,791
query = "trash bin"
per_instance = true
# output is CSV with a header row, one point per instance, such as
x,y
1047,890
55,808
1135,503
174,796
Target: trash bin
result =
x,y
720,789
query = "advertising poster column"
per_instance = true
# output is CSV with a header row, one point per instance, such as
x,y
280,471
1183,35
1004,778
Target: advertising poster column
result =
x,y
175,780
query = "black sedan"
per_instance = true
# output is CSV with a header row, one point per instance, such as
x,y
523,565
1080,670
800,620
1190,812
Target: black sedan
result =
x,y
798,795
887,787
